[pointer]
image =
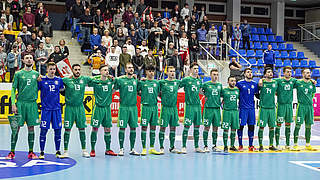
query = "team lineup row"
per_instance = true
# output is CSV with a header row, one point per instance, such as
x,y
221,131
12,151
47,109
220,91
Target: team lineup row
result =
x,y
237,100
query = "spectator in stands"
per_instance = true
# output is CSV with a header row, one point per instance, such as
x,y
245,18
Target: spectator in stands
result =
x,y
56,56
235,69
118,48
195,12
122,8
95,40
172,38
132,4
141,7
103,48
102,4
29,19
130,48
41,36
3,23
96,60
142,34
34,41
69,4
63,48
5,43
176,61
201,34
13,61
97,18
154,37
136,21
170,51
269,57
112,60
206,23
161,64
77,12
184,46
3,62
166,13
134,37
123,28
224,36
107,17
9,34
138,63
193,22
8,16
101,28
246,31
193,48
29,50
15,10
107,39
46,28
25,35
144,48
124,58
150,60
212,37
48,45
128,16
112,6
19,43
237,37
41,58
117,18
202,14
86,21
121,37
175,12
41,14
185,11
112,30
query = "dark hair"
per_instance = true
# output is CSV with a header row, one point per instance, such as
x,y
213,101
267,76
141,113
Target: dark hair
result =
x,y
287,67
266,69
75,65
171,67
247,69
150,68
214,70
102,66
231,77
194,64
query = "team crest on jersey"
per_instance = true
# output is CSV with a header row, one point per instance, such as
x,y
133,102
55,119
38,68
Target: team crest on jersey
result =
x,y
33,76
154,85
244,86
273,85
219,87
45,83
252,86
175,83
81,81
236,92
134,83
198,82
310,87
189,82
109,82
290,82
56,82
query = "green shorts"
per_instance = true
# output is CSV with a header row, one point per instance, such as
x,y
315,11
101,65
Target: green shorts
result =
x,y
284,113
74,114
169,115
304,114
267,116
211,116
230,119
149,115
192,114
128,115
101,116
29,113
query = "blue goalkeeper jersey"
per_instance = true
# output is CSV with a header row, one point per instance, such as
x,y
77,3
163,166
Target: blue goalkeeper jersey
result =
x,y
50,93
247,92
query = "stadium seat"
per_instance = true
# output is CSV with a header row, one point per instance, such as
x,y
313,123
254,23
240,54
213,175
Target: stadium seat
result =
x,y
274,46
315,73
232,53
277,54
318,82
242,52
254,30
292,55
250,54
313,64
259,54
79,38
282,47
298,73
295,63
200,71
261,31
265,45
255,37
271,38
290,47
300,55
260,63
206,78
304,64
284,55
257,45
253,61
256,79
269,31
286,62
243,62
278,63
279,39
263,38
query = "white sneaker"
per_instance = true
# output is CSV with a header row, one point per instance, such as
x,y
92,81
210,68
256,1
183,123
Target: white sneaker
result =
x,y
279,148
85,153
65,154
183,150
161,151
121,152
199,150
134,153
174,150
206,149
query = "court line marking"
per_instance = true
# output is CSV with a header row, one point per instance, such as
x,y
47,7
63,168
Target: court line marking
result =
x,y
301,163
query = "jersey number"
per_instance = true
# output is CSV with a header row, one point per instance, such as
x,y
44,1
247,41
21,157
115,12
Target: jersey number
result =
x,y
105,88
28,82
194,88
77,87
268,90
306,91
233,98
214,92
171,88
130,88
287,87
52,88
95,122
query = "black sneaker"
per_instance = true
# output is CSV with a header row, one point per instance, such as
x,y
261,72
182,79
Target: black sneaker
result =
x,y
215,149
233,148
261,149
225,149
272,148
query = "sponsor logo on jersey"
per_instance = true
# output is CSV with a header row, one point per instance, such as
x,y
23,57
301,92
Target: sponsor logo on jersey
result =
x,y
310,86
154,85
273,85
134,82
56,82
81,81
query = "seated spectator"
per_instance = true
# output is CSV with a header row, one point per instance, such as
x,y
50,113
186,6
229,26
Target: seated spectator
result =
x,y
124,59
9,34
40,15
134,37
112,30
3,62
3,24
138,63
20,45
161,64
29,19
101,28
63,48
121,38
107,39
41,37
117,18
96,60
97,18
103,49
95,40
46,27
112,60
118,48
5,43
144,48
34,41
13,61
8,16
29,51
142,34
150,60
235,69
25,35
176,62
130,48
56,56
123,28
41,58
48,45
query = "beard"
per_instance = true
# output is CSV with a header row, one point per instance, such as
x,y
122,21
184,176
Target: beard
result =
x,y
308,78
29,65
249,77
76,74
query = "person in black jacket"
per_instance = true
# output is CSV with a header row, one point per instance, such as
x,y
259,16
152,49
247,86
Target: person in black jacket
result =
x,y
224,36
138,63
63,48
193,48
97,18
15,10
77,11
56,56
46,28
86,21
176,62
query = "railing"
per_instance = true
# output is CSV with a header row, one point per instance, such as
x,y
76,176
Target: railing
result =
x,y
310,31
239,55
208,53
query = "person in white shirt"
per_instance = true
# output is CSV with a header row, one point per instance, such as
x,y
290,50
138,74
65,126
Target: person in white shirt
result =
x,y
107,39
161,65
124,29
117,47
112,60
212,37
185,11
3,24
144,48
130,48
184,46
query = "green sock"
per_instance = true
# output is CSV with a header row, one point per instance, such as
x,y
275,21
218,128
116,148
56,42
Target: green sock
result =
x,y
205,138
30,140
308,134
271,137
260,136
185,136
132,138
225,138
82,134
143,138
233,137
214,137
93,139
14,139
66,138
107,140
196,137
287,132
277,135
152,138
161,138
121,138
296,134
172,137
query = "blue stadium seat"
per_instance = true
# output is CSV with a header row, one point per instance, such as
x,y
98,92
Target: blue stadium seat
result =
x,y
206,78
282,47
232,53
259,54
281,72
279,39
263,38
292,55
256,79
250,54
278,63
295,63
269,31
271,38
298,73
243,62
255,37
304,64
265,45
253,61
315,73
260,63
313,64
277,54
290,47
200,71
286,62
284,55
261,31
254,30
318,82
274,46
257,45
242,52
251,45
300,55
79,38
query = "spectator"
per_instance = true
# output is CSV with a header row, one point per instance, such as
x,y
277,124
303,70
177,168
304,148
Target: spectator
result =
x,y
46,28
194,13
156,33
9,34
202,13
96,60
176,62
3,62
235,69
147,22
269,57
29,19
131,4
63,48
122,8
142,33
161,64
237,37
112,6
123,28
170,51
41,36
121,37
184,46
33,4
41,58
117,18
118,48
48,45
193,22
144,48
186,67
25,35
175,12
136,21
13,61
124,58
40,15
34,41
102,4
5,43
193,48
224,38
185,11
77,12
107,17
101,28
112,30
212,37
3,23
19,43
150,60
206,23
86,21
107,40
130,48
128,16
56,56
186,23
166,13
202,33
28,51
97,18
8,16
172,38
141,7
95,40
245,30
15,9
138,63
69,4
112,60
134,37
103,48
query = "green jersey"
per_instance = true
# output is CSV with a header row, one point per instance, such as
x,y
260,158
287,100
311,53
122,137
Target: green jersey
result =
x,y
169,92
191,88
75,88
230,98
27,85
267,94
102,91
212,91
285,90
305,92
128,90
149,91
